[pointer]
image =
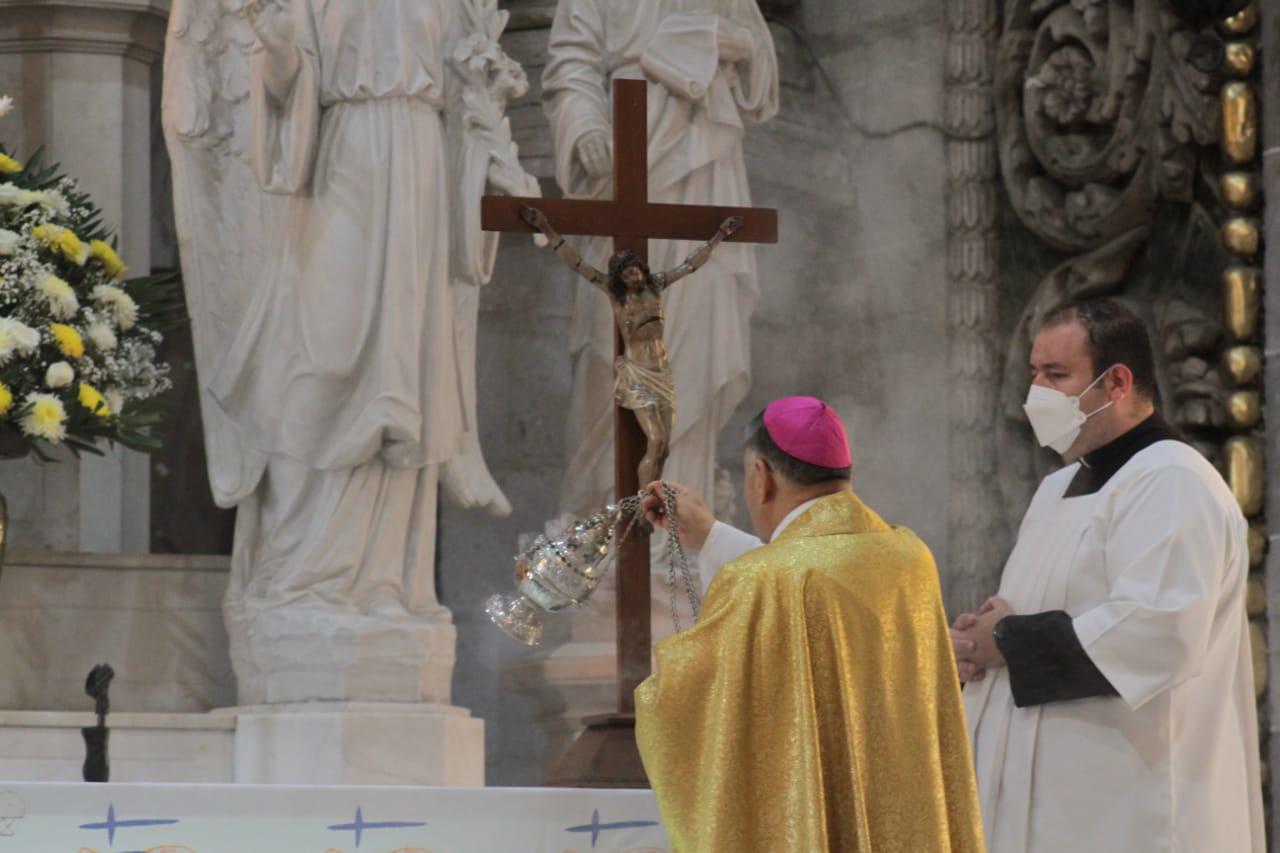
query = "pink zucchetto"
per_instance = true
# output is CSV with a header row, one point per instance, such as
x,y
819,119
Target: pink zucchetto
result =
x,y
809,430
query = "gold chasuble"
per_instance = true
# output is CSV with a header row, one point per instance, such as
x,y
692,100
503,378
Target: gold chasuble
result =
x,y
815,706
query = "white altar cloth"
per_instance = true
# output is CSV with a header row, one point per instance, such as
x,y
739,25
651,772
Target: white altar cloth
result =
x,y
137,818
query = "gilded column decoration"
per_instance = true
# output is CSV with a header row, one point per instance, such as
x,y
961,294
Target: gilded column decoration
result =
x,y
1101,115
978,538
1239,187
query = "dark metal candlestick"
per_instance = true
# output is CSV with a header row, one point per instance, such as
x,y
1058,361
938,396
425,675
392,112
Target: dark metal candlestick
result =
x,y
97,768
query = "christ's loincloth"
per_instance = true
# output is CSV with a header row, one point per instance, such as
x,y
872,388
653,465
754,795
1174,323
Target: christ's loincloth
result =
x,y
638,387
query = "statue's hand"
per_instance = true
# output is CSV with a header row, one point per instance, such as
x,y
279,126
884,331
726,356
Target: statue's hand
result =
x,y
508,177
733,41
731,226
595,152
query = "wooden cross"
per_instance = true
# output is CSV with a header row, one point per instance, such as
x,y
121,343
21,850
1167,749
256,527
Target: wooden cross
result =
x,y
631,220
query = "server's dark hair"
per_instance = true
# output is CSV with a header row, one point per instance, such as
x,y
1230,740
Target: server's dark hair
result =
x,y
1115,335
785,465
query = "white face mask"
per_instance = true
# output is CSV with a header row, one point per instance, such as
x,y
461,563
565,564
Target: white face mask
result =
x,y
1057,418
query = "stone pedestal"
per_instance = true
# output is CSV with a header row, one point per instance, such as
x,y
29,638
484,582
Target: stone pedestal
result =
x,y
46,746
298,654
83,74
322,743
358,743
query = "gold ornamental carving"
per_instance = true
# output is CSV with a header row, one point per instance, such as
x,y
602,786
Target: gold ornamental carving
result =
x,y
1239,122
1241,296
1240,235
1257,541
1242,22
1244,409
1255,597
1239,58
1258,649
1240,190
1245,476
1243,364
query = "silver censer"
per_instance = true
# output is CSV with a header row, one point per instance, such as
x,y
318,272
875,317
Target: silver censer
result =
x,y
555,573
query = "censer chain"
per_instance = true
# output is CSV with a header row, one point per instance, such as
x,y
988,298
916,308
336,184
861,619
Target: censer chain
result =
x,y
675,554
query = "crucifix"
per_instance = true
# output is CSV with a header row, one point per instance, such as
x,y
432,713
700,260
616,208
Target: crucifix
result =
x,y
605,755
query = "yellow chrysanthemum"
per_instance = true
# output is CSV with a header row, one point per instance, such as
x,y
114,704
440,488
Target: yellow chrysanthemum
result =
x,y
6,399
8,165
67,339
63,241
93,400
46,419
108,258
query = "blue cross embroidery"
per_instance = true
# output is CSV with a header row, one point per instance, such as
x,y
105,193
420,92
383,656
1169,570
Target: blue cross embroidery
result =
x,y
111,824
359,825
596,827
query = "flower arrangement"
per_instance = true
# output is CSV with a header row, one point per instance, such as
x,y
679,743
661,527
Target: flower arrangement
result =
x,y
77,339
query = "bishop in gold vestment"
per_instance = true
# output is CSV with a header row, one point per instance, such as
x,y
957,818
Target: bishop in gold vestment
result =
x,y
814,707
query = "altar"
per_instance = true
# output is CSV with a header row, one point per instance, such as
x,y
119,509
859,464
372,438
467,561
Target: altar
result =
x,y
148,818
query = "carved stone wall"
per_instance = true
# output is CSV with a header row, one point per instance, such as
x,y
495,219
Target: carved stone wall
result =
x,y
978,531
1101,119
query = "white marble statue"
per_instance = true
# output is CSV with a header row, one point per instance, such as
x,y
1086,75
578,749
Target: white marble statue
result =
x,y
713,71
335,314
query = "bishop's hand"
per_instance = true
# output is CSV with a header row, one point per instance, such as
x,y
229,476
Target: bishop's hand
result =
x,y
694,518
595,152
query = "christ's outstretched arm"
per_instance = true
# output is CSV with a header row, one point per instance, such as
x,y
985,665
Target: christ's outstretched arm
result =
x,y
699,256
538,219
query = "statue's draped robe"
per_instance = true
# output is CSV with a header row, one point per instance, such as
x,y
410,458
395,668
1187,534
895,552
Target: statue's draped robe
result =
x,y
343,383
815,705
698,108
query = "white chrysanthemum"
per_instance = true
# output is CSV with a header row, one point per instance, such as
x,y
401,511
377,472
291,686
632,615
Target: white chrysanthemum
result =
x,y
123,309
62,299
16,337
12,195
8,343
28,338
27,198
102,337
6,105
46,418
56,202
115,399
9,241
59,375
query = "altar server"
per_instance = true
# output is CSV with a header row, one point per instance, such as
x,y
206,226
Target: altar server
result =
x,y
1110,691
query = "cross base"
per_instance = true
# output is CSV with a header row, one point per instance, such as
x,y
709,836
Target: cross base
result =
x,y
603,756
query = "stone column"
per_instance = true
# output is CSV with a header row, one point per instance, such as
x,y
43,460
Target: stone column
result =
x,y
82,73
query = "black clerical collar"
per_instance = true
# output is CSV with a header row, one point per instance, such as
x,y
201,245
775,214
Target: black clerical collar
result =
x,y
1098,467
